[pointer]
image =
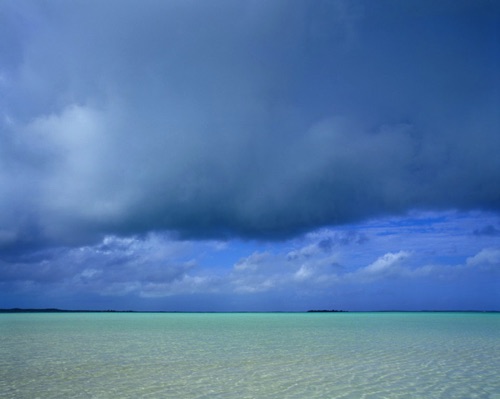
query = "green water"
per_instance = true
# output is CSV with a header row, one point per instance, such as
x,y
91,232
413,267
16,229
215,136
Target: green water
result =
x,y
250,355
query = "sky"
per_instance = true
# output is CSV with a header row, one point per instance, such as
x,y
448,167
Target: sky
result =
x,y
250,155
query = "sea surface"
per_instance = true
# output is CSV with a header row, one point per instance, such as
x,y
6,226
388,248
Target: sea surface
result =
x,y
250,355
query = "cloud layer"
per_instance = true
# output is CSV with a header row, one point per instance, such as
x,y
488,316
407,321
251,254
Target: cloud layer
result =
x,y
427,262
255,119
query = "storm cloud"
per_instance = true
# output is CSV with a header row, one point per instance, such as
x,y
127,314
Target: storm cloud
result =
x,y
251,119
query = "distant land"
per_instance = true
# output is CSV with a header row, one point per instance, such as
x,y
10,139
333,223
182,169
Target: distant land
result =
x,y
55,310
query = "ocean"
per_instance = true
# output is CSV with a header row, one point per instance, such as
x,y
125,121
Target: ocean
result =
x,y
250,355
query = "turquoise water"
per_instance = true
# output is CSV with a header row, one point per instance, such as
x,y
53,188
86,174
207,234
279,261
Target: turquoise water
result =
x,y
250,355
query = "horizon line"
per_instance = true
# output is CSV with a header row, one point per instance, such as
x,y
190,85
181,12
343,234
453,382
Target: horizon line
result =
x,y
57,310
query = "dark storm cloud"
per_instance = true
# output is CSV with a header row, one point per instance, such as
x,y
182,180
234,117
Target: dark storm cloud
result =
x,y
257,119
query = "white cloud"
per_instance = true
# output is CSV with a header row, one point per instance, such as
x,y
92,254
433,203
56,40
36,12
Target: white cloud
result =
x,y
487,256
303,273
253,262
385,263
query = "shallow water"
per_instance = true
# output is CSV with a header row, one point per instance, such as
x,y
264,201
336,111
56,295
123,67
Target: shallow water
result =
x,y
250,355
